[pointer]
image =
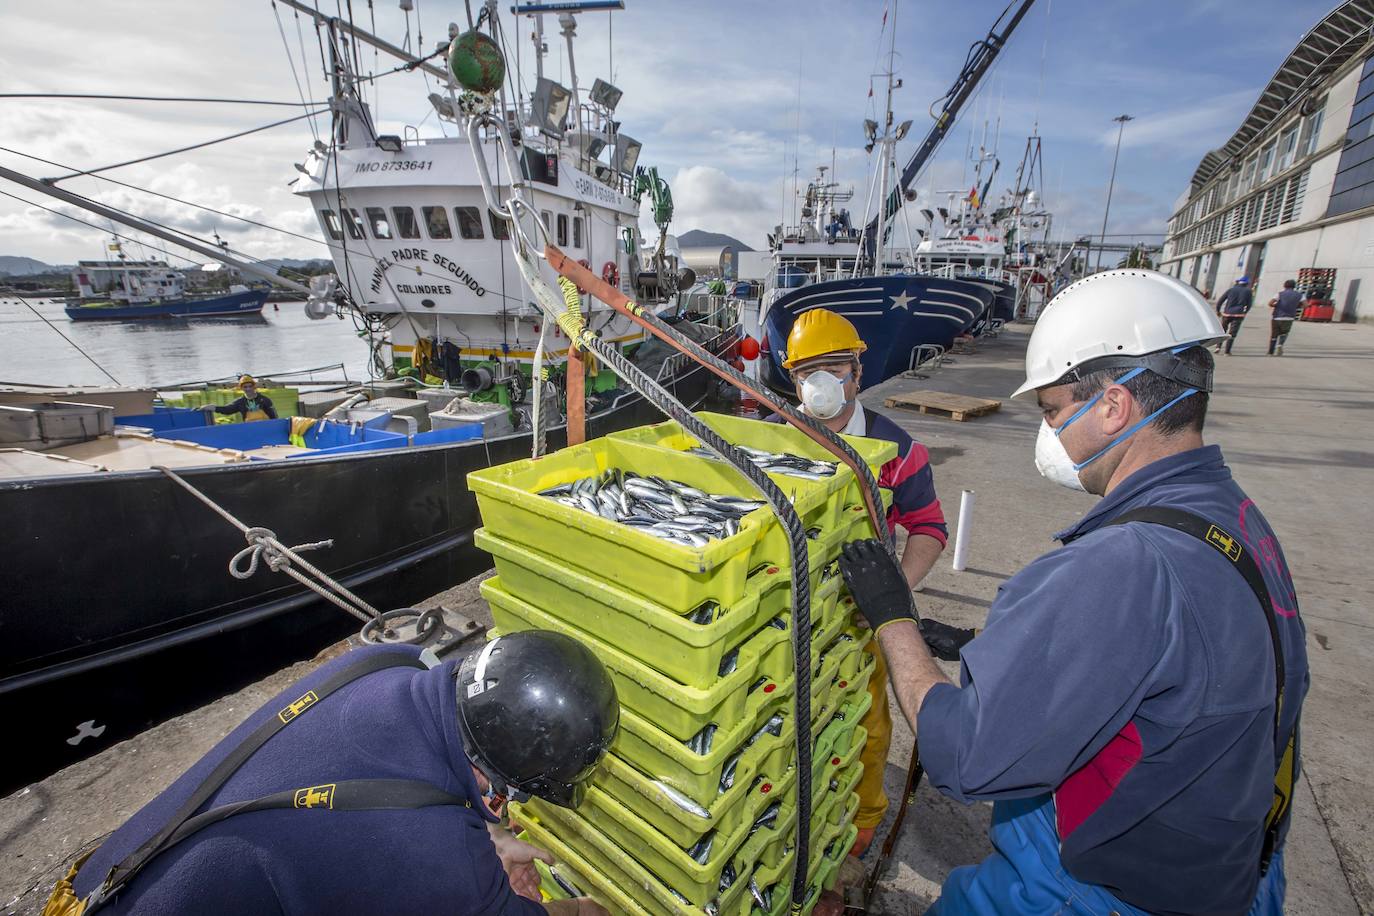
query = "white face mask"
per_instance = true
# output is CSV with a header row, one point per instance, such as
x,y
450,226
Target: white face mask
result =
x,y
822,395
1053,461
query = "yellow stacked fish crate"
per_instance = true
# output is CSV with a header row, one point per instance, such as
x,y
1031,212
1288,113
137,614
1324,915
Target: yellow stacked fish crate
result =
x,y
694,810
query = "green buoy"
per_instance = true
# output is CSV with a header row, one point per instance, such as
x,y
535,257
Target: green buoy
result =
x,y
476,62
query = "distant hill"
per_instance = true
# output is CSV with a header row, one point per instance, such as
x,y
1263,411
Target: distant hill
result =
x,y
295,264
15,266
697,238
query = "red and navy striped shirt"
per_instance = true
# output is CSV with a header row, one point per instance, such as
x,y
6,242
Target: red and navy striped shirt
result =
x,y
914,504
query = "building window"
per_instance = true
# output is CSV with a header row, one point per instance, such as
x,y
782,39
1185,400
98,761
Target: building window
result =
x,y
577,232
1266,163
1288,148
1311,132
436,223
376,217
404,220
1353,188
1247,174
469,222
499,229
563,229
353,223
332,225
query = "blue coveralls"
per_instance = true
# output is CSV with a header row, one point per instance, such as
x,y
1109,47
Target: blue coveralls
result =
x,y
1119,711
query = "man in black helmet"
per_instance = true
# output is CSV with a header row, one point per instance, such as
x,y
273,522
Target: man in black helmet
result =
x,y
373,785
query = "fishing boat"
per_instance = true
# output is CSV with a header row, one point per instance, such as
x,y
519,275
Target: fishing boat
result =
x,y
120,608
129,290
910,301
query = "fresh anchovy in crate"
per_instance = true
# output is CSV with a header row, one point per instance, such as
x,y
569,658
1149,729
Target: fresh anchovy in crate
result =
x,y
779,463
667,509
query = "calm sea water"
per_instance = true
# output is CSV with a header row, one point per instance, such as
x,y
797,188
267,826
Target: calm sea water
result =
x,y
171,351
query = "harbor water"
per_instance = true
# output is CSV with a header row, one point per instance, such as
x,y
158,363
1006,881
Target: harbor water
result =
x,y
171,351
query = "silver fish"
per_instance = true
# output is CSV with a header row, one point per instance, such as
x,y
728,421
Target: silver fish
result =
x,y
568,887
702,850
682,801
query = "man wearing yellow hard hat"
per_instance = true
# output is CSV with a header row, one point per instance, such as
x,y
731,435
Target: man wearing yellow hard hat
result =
x,y
251,406
823,358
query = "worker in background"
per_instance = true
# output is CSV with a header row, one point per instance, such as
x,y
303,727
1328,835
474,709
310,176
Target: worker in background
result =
x,y
1232,308
1132,706
250,406
373,785
1286,305
822,356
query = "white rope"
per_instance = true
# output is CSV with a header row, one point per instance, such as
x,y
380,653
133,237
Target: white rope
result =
x,y
263,546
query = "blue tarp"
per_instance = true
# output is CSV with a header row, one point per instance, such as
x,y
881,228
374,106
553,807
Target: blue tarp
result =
x,y
324,438
164,418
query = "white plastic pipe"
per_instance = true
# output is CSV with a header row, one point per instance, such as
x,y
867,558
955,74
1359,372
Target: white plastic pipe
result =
x,y
964,534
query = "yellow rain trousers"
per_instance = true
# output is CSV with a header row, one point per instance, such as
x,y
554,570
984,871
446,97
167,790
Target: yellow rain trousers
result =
x,y
878,722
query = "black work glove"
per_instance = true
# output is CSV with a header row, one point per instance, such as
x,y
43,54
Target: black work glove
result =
x,y
877,584
944,640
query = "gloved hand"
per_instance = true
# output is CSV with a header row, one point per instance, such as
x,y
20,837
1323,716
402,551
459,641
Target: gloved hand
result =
x,y
944,640
877,584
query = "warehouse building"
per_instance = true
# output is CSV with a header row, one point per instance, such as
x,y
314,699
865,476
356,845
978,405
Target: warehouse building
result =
x,y
1291,194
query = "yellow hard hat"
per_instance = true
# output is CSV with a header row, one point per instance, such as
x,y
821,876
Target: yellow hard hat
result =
x,y
818,332
247,380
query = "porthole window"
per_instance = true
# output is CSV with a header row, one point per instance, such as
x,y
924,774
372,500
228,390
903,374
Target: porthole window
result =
x,y
563,229
499,228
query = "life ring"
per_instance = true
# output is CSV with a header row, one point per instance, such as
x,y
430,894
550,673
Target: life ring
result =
x,y
611,273
587,264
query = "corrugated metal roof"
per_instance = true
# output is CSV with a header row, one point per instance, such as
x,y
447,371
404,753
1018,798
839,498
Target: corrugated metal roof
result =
x,y
1324,48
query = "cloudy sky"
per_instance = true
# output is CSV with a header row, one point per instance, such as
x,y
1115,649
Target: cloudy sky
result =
x,y
712,88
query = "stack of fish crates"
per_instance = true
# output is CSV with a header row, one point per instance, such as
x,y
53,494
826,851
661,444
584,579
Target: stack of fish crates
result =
x,y
694,810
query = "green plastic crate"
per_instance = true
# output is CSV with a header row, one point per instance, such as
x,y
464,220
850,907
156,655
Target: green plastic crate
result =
x,y
743,850
674,575
834,774
679,709
772,437
684,651
645,746
765,759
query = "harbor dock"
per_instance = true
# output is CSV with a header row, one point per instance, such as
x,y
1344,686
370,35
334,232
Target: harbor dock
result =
x,y
1296,432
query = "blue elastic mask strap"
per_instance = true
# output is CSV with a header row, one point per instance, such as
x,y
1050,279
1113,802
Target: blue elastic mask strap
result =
x,y
1133,430
1093,400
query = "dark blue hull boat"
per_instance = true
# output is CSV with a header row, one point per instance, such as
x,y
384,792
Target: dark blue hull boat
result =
x,y
893,314
228,305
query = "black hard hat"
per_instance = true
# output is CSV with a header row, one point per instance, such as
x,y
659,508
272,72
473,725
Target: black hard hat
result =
x,y
537,711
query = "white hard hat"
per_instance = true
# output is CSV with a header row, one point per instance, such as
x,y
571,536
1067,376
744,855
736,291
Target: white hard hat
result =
x,y
1120,313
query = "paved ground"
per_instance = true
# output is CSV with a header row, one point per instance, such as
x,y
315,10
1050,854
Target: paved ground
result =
x,y
1297,432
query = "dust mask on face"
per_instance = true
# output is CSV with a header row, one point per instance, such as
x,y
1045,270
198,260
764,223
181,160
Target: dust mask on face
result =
x,y
1052,459
822,395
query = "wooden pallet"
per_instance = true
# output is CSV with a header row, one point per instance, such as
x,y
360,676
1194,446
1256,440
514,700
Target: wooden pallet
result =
x,y
959,407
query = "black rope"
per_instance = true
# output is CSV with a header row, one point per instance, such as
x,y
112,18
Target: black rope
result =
x,y
69,340
187,149
801,577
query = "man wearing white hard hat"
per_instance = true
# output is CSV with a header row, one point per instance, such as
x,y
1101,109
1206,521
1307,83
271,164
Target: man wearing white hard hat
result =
x,y
1132,706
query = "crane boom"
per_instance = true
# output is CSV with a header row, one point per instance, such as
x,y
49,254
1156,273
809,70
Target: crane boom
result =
x,y
980,59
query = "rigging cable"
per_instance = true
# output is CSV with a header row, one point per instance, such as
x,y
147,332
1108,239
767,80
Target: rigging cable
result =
x,y
186,149
69,340
154,98
100,229
291,62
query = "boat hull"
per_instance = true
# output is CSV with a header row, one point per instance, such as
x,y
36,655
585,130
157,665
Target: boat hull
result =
x,y
227,306
120,611
893,315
